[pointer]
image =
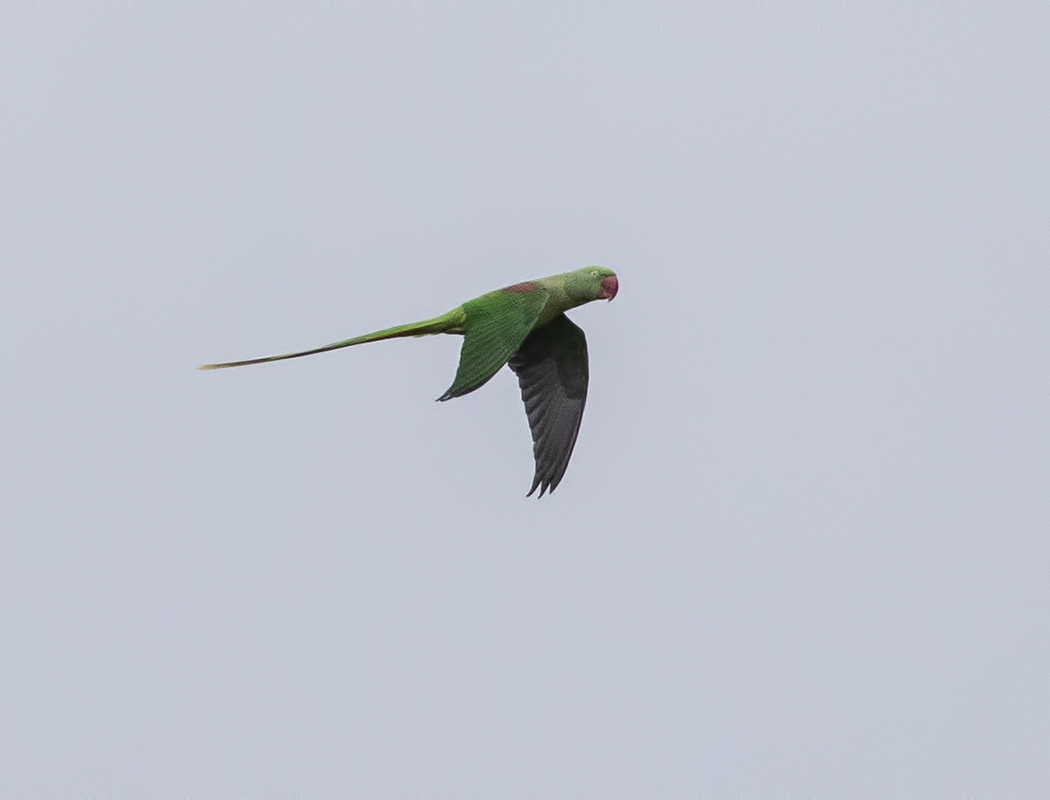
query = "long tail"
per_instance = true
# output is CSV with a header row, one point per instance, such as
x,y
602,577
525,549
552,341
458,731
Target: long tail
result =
x,y
452,322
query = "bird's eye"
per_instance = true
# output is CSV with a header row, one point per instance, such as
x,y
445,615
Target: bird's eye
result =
x,y
594,273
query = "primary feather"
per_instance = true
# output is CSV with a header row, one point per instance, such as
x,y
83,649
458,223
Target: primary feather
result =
x,y
551,366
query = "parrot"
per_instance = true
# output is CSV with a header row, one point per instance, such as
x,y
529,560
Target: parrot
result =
x,y
523,326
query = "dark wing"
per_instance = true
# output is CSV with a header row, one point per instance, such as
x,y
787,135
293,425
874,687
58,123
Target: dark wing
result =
x,y
551,366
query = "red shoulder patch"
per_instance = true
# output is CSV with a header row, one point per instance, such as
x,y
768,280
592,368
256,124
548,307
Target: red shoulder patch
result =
x,y
527,286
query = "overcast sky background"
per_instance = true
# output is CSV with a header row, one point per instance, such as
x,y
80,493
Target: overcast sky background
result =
x,y
802,547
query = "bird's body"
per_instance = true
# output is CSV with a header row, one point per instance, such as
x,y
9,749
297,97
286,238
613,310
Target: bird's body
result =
x,y
524,326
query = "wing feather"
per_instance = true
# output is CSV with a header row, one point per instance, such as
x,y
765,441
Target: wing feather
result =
x,y
551,366
496,325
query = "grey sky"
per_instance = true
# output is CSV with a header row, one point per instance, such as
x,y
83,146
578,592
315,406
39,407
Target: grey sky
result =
x,y
802,547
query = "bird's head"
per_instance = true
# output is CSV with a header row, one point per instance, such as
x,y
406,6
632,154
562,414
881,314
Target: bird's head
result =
x,y
602,281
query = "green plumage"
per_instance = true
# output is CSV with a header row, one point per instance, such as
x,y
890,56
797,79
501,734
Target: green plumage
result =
x,y
497,324
524,325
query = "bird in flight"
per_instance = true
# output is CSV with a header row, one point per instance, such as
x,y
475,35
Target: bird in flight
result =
x,y
523,326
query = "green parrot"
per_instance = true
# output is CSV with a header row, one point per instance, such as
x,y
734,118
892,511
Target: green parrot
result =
x,y
525,327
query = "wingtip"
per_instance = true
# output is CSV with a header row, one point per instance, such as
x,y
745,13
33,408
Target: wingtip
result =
x,y
545,488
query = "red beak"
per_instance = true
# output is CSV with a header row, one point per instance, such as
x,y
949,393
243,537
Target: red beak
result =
x,y
610,286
